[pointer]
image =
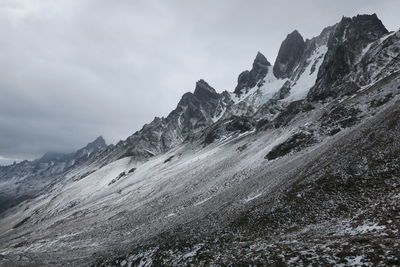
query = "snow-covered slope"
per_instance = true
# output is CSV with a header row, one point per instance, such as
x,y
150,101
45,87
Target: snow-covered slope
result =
x,y
222,168
26,179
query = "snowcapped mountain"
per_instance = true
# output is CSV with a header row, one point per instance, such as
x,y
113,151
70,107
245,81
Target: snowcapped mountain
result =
x,y
298,165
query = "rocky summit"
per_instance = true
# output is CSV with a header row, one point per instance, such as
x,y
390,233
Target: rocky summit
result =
x,y
289,55
249,79
298,165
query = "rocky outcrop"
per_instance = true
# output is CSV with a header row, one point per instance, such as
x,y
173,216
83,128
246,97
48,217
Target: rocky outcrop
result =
x,y
249,79
194,112
225,128
378,60
295,143
289,55
317,59
300,61
346,42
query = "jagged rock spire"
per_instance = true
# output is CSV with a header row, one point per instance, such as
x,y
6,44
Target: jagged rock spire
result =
x,y
359,28
249,79
203,90
99,142
345,44
289,54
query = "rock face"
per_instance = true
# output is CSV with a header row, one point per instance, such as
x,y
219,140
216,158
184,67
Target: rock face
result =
x,y
248,79
379,60
346,42
315,63
294,143
194,112
289,55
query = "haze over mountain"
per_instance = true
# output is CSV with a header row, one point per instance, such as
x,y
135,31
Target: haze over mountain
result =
x,y
296,164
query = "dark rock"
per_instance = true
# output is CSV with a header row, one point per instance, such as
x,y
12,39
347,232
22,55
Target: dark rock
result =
x,y
21,222
264,124
122,174
340,116
295,143
381,101
288,113
334,131
205,92
289,55
345,43
211,135
230,126
193,113
241,124
307,107
284,91
242,148
249,79
169,159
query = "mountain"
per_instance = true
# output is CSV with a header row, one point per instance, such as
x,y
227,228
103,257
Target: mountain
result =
x,y
26,179
249,79
299,165
289,55
346,46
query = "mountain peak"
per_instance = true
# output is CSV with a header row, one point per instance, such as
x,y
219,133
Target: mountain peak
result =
x,y
260,61
51,156
204,91
203,85
295,34
345,44
249,79
358,28
289,54
99,142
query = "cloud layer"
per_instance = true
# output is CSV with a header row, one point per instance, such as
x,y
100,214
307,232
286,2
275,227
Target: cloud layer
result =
x,y
71,70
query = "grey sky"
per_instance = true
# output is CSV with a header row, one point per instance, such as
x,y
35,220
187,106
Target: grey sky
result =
x,y
71,70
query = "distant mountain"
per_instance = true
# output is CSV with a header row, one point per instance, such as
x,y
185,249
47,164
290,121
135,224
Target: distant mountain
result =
x,y
26,179
6,162
298,165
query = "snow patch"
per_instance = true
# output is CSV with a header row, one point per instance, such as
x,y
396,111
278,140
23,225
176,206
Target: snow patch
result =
x,y
307,79
355,261
203,201
193,252
260,95
366,228
251,197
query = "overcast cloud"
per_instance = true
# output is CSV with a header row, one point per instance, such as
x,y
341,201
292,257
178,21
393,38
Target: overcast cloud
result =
x,y
71,70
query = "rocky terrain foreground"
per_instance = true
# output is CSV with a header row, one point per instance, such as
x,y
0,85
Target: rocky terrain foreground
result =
x,y
299,165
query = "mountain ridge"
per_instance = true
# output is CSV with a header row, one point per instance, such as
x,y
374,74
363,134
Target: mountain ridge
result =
x,y
241,177
26,179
